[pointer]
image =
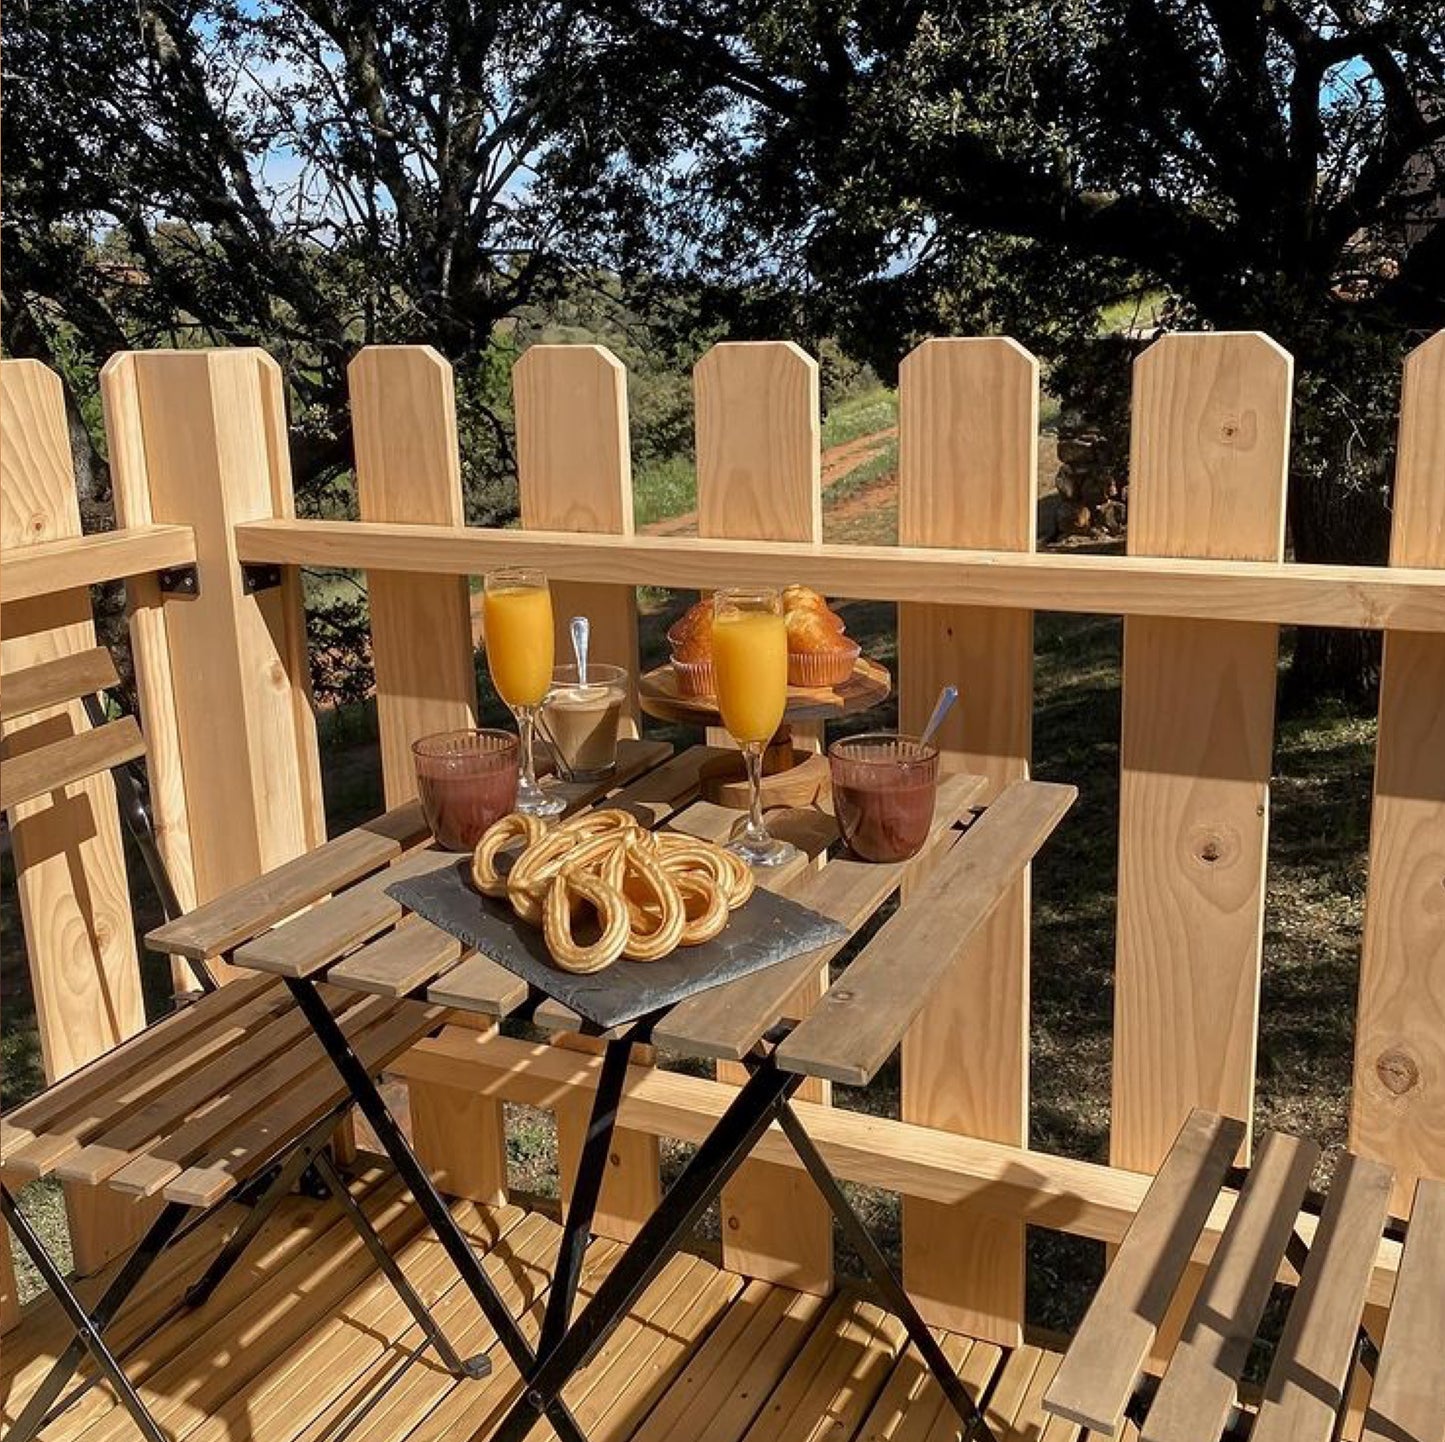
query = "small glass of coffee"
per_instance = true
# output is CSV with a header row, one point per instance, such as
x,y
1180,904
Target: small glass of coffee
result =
x,y
581,719
884,787
465,780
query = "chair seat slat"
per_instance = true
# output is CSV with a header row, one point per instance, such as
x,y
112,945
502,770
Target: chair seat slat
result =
x,y
1306,1385
246,1151
1408,1398
172,1106
1097,1379
1200,1387
302,1068
105,1105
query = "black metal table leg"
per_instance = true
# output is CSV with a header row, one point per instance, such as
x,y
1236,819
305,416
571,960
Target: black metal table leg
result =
x,y
359,1083
897,1299
89,1326
587,1188
724,1149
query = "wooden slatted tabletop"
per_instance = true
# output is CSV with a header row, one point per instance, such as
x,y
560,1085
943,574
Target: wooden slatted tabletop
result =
x,y
359,939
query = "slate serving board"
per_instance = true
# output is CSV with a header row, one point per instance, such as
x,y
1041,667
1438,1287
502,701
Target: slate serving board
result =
x,y
767,930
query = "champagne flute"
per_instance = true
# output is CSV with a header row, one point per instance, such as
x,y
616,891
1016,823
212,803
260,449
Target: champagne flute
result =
x,y
517,615
750,658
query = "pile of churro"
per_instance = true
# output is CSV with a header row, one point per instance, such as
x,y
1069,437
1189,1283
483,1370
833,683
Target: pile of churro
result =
x,y
644,892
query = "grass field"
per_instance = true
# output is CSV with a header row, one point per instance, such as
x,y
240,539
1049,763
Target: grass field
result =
x,y
1312,926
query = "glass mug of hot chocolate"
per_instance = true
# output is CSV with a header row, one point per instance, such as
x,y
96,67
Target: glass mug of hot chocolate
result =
x,y
465,781
884,787
581,718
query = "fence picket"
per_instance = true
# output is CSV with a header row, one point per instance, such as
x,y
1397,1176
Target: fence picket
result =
x,y
208,454
574,470
1208,468
758,478
69,866
408,469
968,460
403,416
1398,1106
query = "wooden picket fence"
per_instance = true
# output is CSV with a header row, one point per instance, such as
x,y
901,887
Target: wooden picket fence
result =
x,y
197,441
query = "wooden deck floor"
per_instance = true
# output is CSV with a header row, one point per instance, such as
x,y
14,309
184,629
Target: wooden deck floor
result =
x,y
306,1343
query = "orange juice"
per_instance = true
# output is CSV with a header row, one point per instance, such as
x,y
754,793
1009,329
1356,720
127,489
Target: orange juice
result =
x,y
750,658
518,621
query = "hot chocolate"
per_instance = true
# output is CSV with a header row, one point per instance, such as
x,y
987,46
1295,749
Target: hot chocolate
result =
x,y
883,794
465,780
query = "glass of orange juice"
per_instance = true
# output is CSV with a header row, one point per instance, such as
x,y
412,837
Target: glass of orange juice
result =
x,y
750,661
517,618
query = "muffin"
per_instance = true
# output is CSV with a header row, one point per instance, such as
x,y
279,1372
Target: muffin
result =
x,y
690,637
819,654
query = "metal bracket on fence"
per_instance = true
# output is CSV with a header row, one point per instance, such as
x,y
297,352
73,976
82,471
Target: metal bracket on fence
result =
x,y
179,581
259,576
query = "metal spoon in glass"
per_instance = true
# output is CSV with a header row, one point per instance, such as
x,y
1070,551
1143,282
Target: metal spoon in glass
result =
x,y
944,705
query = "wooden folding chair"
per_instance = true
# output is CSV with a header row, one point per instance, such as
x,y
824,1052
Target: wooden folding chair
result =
x,y
228,1099
1332,1243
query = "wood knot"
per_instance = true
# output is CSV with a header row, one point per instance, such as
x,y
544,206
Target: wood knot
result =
x,y
733,1224
1398,1071
843,995
1239,430
1213,846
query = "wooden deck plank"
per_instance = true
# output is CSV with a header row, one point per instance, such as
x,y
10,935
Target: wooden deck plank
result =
x,y
837,1377
977,1374
1408,1398
910,1401
652,1373
1094,1385
308,1343
473,1410
1306,1384
258,1328
733,1373
1201,1385
219,926
303,1383
56,681
302,1234
399,1390
863,1017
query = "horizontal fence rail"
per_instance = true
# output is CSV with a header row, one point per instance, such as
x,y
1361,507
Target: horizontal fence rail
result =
x,y
1369,598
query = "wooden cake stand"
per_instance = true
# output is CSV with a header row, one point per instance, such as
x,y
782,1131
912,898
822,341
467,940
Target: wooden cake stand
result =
x,y
790,777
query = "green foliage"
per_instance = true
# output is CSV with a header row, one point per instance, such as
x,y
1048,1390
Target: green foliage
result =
x,y
863,414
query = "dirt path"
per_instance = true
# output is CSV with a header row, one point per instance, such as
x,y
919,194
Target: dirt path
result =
x,y
838,462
